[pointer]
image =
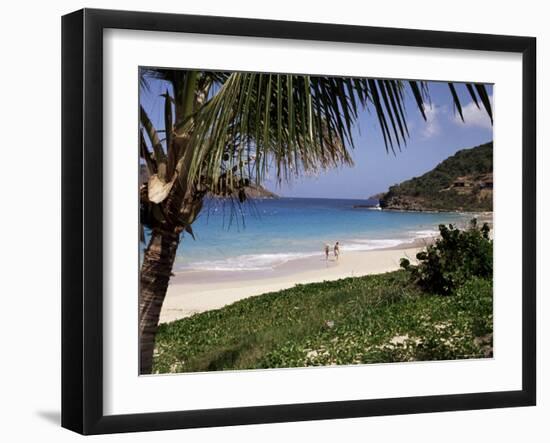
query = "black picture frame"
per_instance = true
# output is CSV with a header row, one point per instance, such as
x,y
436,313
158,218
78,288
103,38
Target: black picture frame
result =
x,y
82,218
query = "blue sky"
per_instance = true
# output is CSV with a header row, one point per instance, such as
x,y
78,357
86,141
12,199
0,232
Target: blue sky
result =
x,y
375,169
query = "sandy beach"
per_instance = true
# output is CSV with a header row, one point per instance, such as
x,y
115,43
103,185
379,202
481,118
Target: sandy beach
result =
x,y
191,292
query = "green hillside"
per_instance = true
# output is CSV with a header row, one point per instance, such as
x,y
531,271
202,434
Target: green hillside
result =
x,y
462,182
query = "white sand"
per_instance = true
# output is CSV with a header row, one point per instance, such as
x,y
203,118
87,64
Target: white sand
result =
x,y
193,292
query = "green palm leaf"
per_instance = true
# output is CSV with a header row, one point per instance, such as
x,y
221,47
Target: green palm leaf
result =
x,y
160,155
456,100
251,124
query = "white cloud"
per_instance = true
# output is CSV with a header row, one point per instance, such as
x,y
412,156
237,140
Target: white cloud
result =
x,y
474,116
431,126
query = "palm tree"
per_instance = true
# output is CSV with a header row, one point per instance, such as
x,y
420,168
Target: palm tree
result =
x,y
225,131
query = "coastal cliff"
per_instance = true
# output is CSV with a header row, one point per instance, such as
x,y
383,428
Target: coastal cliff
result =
x,y
462,182
257,191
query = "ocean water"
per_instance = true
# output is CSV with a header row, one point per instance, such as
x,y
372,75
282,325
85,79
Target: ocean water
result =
x,y
267,233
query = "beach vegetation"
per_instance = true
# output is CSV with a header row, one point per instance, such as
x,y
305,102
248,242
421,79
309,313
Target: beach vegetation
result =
x,y
380,318
456,256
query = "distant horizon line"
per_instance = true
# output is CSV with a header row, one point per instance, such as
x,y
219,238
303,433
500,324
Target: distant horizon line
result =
x,y
383,192
321,198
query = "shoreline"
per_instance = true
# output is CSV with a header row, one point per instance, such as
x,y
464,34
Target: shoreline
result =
x,y
194,291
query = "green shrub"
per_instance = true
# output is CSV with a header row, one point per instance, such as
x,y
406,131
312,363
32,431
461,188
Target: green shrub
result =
x,y
456,256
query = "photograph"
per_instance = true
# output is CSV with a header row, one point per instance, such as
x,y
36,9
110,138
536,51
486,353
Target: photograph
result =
x,y
291,221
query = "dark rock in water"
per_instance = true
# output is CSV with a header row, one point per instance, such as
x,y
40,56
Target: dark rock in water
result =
x,y
377,197
250,192
371,203
258,191
375,206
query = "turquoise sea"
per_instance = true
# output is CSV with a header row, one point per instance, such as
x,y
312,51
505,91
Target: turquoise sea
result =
x,y
266,233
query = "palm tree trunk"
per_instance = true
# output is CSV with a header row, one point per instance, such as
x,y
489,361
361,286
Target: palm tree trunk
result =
x,y
154,277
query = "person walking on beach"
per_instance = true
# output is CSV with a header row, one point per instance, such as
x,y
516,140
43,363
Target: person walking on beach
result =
x,y
336,250
327,250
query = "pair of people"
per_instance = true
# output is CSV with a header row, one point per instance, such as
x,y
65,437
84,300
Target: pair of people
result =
x,y
336,250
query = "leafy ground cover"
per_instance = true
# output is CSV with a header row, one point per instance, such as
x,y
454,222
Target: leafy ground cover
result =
x,y
373,319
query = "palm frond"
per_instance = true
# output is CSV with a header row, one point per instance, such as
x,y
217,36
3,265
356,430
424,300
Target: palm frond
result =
x,y
472,88
415,88
482,92
146,155
456,100
243,126
293,123
156,144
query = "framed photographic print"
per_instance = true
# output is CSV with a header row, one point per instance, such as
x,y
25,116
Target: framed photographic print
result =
x,y
269,221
